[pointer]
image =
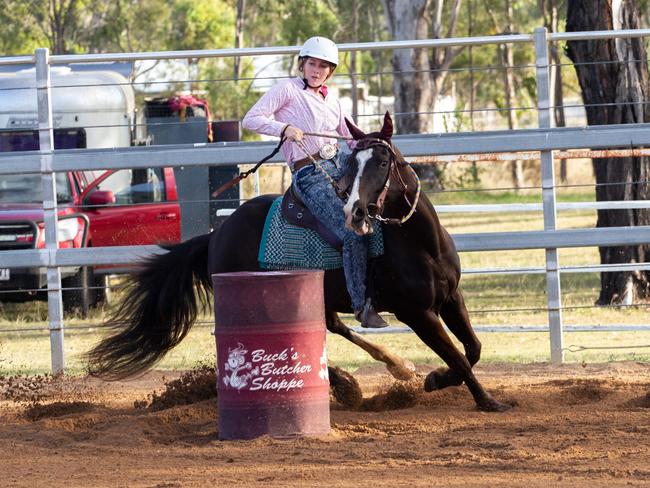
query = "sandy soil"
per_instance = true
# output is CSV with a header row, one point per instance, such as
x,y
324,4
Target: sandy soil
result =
x,y
574,426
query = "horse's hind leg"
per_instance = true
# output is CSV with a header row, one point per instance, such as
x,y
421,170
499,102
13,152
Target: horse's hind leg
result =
x,y
401,369
454,314
456,318
429,328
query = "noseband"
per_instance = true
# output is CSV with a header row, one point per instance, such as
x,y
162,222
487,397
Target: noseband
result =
x,y
374,209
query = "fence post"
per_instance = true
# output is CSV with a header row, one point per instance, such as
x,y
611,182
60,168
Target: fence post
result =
x,y
545,120
46,141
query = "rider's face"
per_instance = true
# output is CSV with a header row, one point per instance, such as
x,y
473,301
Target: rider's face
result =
x,y
316,71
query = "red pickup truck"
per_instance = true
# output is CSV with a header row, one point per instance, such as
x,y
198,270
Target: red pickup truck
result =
x,y
95,208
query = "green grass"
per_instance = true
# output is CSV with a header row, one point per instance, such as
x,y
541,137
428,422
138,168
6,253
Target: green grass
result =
x,y
478,196
28,352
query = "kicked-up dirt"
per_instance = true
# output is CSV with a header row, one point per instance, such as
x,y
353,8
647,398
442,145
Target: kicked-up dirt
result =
x,y
571,426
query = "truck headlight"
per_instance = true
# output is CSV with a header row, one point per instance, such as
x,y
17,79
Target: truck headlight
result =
x,y
67,229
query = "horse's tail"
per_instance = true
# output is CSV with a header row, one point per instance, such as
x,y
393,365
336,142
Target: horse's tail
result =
x,y
159,308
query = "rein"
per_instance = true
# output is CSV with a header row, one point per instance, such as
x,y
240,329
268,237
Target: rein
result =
x,y
410,213
331,136
361,144
394,163
246,174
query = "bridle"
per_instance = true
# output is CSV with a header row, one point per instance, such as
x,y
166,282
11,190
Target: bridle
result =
x,y
375,209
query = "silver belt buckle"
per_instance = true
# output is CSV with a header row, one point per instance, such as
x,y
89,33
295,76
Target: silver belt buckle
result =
x,y
328,151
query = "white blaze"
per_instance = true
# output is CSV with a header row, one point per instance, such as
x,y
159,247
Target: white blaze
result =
x,y
362,159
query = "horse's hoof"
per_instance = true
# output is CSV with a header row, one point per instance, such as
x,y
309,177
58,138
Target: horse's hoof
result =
x,y
345,388
441,378
431,382
403,370
492,405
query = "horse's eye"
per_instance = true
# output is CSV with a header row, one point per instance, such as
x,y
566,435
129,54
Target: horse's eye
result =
x,y
383,163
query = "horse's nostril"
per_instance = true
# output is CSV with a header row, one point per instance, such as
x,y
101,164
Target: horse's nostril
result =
x,y
357,213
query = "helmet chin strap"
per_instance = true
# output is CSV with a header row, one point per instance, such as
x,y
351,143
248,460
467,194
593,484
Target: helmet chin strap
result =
x,y
307,85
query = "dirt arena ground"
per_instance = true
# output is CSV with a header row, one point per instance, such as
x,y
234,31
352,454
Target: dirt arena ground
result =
x,y
575,426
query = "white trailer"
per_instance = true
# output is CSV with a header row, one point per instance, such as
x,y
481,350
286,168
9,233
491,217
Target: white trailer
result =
x,y
102,103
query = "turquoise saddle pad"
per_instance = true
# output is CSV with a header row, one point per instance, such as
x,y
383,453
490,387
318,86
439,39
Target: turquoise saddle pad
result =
x,y
286,246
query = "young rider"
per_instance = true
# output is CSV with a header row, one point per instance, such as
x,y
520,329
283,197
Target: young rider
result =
x,y
303,104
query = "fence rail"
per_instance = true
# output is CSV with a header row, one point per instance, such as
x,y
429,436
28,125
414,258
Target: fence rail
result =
x,y
216,154
545,139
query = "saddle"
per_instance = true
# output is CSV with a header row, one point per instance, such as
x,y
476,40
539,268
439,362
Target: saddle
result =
x,y
296,213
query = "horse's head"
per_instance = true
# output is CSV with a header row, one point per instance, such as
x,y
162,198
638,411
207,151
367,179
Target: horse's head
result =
x,y
373,160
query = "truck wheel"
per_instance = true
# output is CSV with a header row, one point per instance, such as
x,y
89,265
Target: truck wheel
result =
x,y
79,297
101,293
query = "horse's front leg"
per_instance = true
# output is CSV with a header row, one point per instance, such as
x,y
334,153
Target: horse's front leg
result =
x,y
456,318
429,328
401,369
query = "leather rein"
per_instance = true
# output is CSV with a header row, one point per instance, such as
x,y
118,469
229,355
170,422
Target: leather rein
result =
x,y
362,144
392,173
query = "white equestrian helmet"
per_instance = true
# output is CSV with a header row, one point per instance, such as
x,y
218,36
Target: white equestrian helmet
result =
x,y
320,48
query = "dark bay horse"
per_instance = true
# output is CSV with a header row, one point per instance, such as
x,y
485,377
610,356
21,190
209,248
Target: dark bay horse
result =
x,y
416,278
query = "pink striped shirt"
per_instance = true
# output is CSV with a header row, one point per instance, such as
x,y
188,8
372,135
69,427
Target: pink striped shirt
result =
x,y
288,103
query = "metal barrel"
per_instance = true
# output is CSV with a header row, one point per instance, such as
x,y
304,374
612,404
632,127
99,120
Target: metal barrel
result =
x,y
271,354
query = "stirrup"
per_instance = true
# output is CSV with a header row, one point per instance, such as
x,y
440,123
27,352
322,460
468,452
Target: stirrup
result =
x,y
369,318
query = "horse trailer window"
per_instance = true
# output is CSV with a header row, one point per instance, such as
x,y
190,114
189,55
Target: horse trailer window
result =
x,y
27,140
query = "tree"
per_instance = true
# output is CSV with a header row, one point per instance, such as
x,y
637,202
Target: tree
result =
x,y
550,10
132,26
359,21
84,26
419,73
19,34
507,59
613,76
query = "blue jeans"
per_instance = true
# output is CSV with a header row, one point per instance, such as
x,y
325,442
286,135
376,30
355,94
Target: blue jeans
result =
x,y
321,199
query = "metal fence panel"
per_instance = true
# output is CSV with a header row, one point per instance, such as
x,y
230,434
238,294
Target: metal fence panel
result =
x,y
545,139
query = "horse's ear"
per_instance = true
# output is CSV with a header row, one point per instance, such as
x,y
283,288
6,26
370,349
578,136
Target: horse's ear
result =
x,y
354,130
387,129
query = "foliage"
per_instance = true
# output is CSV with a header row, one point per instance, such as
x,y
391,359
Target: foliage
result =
x,y
485,61
19,33
155,25
302,20
200,25
468,177
228,99
133,26
87,26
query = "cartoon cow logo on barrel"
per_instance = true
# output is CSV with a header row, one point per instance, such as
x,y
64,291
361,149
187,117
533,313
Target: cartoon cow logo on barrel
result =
x,y
237,363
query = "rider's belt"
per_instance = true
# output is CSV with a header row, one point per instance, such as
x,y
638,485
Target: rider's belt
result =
x,y
301,163
328,151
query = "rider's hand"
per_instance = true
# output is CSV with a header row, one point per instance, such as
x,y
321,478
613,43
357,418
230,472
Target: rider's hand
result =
x,y
293,133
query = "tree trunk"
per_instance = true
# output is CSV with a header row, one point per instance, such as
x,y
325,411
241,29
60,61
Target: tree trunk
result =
x,y
508,61
506,58
412,84
558,100
613,75
62,19
472,87
419,76
354,85
239,36
549,10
